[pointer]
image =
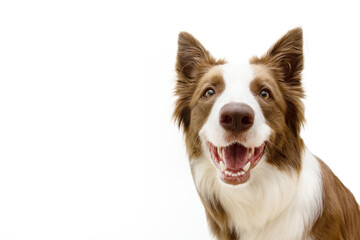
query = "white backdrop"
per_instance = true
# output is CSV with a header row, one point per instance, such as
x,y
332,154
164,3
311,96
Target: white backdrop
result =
x,y
88,150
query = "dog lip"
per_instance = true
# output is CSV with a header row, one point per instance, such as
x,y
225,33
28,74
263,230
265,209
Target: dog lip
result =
x,y
235,161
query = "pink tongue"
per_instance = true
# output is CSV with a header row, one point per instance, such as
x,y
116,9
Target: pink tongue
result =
x,y
235,156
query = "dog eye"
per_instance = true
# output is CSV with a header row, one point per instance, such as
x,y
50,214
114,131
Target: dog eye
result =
x,y
265,94
209,92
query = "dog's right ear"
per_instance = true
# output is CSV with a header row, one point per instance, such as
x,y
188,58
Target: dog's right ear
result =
x,y
192,62
191,55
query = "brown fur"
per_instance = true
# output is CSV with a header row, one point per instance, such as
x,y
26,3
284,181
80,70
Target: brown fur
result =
x,y
218,220
340,219
281,67
193,65
278,71
196,71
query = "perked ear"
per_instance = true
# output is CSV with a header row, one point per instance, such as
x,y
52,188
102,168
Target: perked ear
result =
x,y
287,53
191,55
285,58
193,60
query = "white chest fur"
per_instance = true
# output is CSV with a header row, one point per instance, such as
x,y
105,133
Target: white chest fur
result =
x,y
273,205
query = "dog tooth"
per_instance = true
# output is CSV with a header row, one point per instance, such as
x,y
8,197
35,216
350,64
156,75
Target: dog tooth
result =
x,y
247,167
242,173
222,166
252,150
220,152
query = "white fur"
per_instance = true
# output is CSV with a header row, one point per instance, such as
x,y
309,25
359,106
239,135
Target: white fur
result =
x,y
274,204
237,89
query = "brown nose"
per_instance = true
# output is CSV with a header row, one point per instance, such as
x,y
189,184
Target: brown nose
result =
x,y
236,117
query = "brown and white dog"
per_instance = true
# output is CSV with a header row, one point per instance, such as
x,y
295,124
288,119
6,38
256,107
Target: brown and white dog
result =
x,y
253,173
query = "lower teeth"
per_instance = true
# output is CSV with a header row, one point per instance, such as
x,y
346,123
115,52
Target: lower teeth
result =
x,y
234,174
247,166
222,166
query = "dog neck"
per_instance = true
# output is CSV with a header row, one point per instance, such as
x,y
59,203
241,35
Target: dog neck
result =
x,y
273,201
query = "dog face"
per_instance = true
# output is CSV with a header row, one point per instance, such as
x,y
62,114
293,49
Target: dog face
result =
x,y
235,115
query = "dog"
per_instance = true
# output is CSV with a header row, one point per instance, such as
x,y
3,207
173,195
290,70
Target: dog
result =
x,y
252,170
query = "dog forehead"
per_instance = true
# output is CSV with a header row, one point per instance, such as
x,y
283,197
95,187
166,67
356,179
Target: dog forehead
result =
x,y
237,79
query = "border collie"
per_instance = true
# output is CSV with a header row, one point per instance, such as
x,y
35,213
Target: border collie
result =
x,y
254,175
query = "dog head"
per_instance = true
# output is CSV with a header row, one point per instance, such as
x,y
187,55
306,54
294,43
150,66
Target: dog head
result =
x,y
234,115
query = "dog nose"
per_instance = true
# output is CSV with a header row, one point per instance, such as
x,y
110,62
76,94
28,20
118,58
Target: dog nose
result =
x,y
236,117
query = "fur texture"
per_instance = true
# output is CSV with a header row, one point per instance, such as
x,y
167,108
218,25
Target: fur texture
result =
x,y
288,193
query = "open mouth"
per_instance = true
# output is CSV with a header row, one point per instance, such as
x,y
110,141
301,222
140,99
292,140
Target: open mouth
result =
x,y
235,161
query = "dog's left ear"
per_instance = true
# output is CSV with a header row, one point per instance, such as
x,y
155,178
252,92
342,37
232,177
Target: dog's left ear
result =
x,y
285,58
287,53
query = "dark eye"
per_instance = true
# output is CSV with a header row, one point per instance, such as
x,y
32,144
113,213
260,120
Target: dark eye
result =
x,y
265,94
209,92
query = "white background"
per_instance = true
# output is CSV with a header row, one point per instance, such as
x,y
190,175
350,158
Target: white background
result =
x,y
88,149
